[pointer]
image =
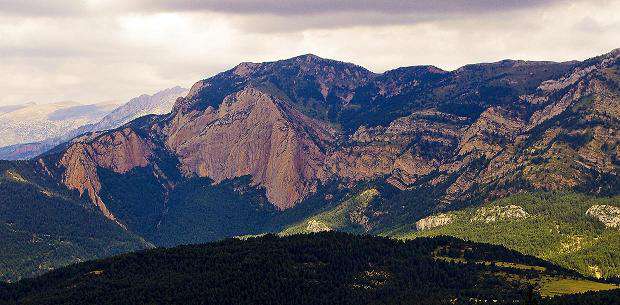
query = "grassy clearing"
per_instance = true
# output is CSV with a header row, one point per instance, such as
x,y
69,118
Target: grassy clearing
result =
x,y
553,287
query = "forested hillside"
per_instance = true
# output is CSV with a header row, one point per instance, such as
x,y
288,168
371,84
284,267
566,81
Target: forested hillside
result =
x,y
564,228
323,268
43,226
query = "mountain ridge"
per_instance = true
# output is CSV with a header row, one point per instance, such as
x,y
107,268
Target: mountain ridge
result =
x,y
200,99
33,122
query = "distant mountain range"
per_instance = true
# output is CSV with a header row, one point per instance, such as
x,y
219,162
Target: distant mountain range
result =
x,y
309,144
158,103
33,129
37,122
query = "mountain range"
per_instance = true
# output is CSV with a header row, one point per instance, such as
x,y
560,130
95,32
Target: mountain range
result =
x,y
309,144
32,129
36,122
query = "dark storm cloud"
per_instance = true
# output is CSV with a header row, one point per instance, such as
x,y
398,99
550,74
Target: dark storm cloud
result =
x,y
272,7
305,7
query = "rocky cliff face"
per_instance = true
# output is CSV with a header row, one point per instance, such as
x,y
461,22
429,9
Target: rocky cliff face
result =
x,y
258,134
607,214
478,132
433,221
119,151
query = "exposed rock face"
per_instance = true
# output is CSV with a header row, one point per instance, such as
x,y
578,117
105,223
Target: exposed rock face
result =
x,y
499,213
433,222
409,148
607,214
567,139
254,133
119,151
479,132
494,129
316,226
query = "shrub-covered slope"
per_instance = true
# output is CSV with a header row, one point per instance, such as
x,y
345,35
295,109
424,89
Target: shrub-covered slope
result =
x,y
569,229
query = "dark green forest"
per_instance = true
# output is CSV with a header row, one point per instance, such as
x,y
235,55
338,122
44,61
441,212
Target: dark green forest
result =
x,y
320,268
44,226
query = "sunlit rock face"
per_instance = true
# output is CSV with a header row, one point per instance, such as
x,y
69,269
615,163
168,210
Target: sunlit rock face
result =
x,y
254,133
433,221
499,213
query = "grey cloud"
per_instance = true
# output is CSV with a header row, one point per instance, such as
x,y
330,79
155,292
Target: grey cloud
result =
x,y
36,8
283,15
591,25
272,7
308,7
278,16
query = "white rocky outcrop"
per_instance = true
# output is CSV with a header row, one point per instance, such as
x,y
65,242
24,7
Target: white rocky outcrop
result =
x,y
433,221
498,213
317,226
607,214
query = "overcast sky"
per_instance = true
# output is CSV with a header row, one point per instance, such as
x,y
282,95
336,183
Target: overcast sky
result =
x,y
97,50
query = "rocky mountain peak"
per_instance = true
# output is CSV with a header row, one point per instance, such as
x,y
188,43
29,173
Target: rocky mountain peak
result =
x,y
306,79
